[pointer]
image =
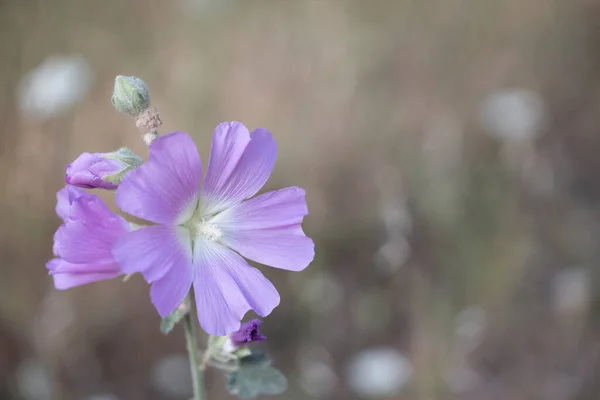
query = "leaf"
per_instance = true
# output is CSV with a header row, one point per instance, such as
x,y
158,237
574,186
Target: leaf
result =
x,y
257,358
253,380
168,323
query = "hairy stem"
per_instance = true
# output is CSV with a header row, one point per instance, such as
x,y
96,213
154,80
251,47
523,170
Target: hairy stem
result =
x,y
189,325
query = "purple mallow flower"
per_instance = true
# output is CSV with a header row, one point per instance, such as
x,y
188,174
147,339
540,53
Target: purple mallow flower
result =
x,y
204,229
249,332
83,243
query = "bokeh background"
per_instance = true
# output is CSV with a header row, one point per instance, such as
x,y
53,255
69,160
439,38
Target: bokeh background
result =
x,y
449,149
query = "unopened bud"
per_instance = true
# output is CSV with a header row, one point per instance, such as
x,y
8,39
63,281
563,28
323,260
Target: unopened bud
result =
x,y
101,170
131,95
249,332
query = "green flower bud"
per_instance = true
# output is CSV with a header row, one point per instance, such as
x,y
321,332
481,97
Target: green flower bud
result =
x,y
130,95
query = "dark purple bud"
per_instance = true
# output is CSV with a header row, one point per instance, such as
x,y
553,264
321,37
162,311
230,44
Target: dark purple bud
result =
x,y
249,332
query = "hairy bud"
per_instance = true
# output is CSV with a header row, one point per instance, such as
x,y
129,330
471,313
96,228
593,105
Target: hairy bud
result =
x,y
131,95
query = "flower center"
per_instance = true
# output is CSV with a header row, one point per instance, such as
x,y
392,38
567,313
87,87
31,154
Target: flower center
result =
x,y
208,231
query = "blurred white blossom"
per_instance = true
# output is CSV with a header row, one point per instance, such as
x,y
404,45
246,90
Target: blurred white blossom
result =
x,y
461,379
204,6
54,86
317,378
513,114
572,290
395,216
322,293
379,372
397,220
393,254
171,376
103,396
470,324
33,381
372,311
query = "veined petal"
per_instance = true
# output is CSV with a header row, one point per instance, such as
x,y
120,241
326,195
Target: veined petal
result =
x,y
65,197
66,275
231,177
60,266
153,251
228,144
58,237
226,287
165,188
83,242
267,229
65,281
93,211
62,204
169,291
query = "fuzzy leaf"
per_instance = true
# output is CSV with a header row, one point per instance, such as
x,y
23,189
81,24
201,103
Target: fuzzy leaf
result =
x,y
168,323
253,380
257,358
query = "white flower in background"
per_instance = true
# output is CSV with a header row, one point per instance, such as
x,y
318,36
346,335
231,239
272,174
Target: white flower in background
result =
x,y
572,290
371,311
33,381
379,372
470,324
171,376
461,379
205,6
54,86
317,379
103,396
513,114
322,293
393,254
317,376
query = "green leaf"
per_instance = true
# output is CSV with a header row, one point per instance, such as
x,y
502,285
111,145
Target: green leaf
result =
x,y
252,380
168,323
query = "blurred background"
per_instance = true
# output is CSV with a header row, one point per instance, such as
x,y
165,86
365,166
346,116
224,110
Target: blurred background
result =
x,y
449,149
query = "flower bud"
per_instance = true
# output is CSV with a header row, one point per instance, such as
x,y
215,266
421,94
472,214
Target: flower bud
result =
x,y
130,95
249,332
101,170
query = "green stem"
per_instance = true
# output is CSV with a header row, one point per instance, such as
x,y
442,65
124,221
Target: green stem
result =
x,y
189,325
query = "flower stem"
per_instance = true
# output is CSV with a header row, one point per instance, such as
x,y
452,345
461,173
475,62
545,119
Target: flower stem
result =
x,y
189,326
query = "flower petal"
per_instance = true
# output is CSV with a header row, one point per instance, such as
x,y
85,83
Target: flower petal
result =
x,y
93,211
228,144
231,177
169,291
267,229
65,197
58,237
80,244
165,188
89,238
153,251
226,287
68,281
60,266
67,275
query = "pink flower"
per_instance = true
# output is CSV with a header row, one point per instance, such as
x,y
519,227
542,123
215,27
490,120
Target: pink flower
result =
x,y
83,243
204,229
